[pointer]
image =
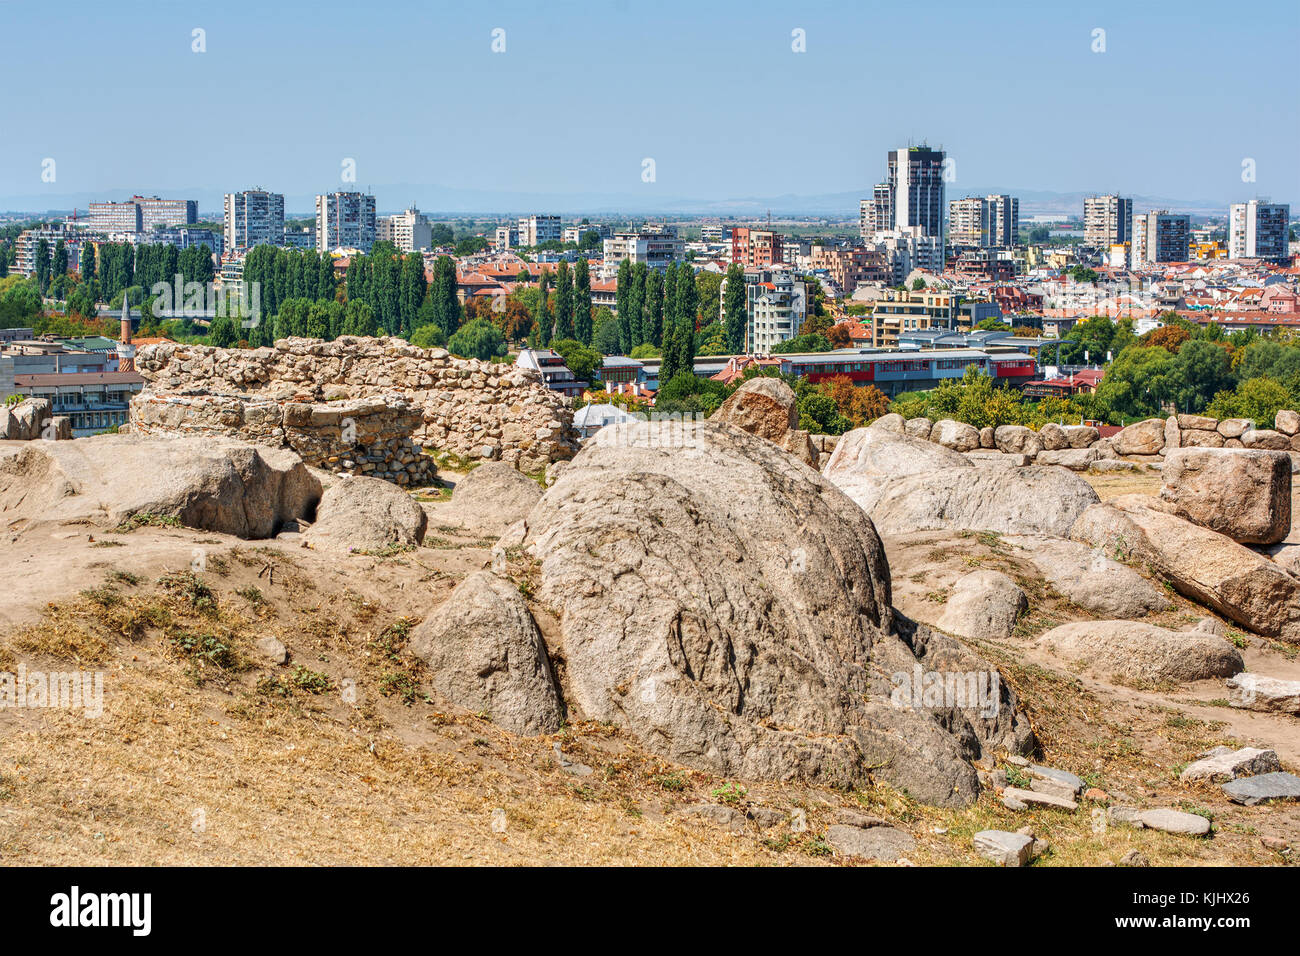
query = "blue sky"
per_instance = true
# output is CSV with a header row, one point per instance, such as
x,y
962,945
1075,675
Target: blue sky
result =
x,y
711,91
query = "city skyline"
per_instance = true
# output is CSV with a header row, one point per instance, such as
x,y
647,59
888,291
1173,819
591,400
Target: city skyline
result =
x,y
568,112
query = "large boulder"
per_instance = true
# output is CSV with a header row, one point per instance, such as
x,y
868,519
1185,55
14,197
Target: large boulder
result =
x,y
765,407
892,422
1234,427
983,605
1053,437
918,428
1076,459
1287,422
1143,438
1203,565
1081,436
491,498
1030,500
910,485
1089,578
1265,438
1017,440
955,435
485,654
1201,438
1243,494
26,420
1143,652
866,460
214,484
366,514
732,610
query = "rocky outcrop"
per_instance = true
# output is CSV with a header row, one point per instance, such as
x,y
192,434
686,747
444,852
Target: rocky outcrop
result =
x,y
1088,578
1143,652
30,419
211,484
366,514
906,484
1017,440
1205,566
1243,494
731,609
477,410
491,498
1081,447
485,654
983,605
1010,501
1268,694
1143,438
1221,764
955,435
767,407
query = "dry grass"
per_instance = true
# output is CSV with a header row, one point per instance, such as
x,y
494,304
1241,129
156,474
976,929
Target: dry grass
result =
x,y
203,757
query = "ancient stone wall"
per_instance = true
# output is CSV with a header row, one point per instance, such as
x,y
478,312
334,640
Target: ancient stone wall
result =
x,y
361,436
476,410
1081,448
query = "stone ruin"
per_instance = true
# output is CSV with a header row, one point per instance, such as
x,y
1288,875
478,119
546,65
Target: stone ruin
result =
x,y
371,406
359,436
33,418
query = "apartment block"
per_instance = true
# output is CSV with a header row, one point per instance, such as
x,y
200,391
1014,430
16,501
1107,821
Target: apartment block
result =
x,y
901,312
655,247
1107,221
534,230
776,304
1259,230
904,250
755,248
410,231
849,267
1160,236
345,220
575,232
916,189
29,242
141,214
254,218
988,222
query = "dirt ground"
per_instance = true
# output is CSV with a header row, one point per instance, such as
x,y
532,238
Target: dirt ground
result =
x,y
208,753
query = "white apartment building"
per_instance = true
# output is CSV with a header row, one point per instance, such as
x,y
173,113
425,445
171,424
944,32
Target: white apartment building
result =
x,y
345,220
655,248
410,231
907,249
575,233
254,218
1258,230
141,214
1107,221
776,304
534,230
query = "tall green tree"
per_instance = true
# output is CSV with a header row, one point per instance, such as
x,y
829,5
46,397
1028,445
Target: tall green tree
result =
x,y
623,305
543,324
734,309
652,312
446,309
582,302
563,302
43,265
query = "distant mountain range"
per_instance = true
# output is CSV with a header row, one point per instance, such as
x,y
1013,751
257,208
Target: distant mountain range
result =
x,y
443,201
